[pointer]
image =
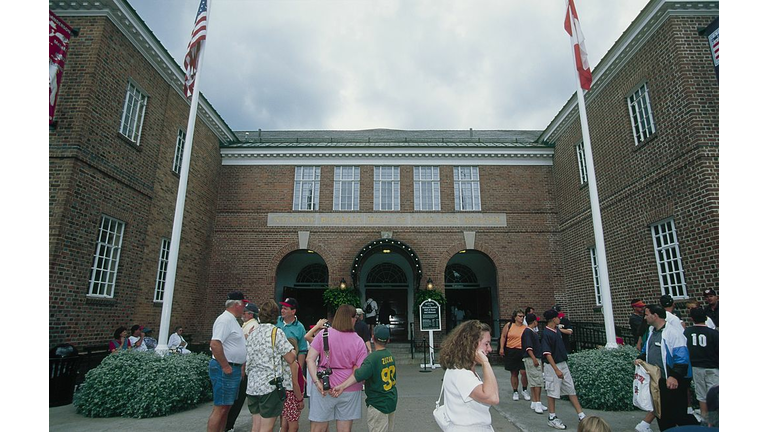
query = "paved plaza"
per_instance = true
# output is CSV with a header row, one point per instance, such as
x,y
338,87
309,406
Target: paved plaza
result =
x,y
417,393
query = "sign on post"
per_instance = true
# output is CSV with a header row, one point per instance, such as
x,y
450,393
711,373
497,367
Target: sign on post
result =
x,y
431,321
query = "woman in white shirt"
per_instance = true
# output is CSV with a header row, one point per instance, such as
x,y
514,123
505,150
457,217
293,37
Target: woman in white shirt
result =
x,y
468,398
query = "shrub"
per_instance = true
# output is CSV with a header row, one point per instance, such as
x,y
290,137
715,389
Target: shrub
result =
x,y
603,377
144,384
335,297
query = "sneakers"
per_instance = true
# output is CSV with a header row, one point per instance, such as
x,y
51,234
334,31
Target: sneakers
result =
x,y
538,409
643,427
515,396
526,395
556,423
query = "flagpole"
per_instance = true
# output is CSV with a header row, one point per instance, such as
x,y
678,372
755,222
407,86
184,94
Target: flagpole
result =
x,y
594,203
178,217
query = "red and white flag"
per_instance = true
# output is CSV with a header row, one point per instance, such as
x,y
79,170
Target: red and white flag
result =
x,y
195,46
59,34
579,49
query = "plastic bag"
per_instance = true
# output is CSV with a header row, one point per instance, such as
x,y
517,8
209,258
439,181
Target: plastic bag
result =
x,y
641,389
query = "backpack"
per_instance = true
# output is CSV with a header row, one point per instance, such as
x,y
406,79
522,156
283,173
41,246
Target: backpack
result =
x,y
368,308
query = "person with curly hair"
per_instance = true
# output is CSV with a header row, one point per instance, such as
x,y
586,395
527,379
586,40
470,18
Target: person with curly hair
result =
x,y
468,398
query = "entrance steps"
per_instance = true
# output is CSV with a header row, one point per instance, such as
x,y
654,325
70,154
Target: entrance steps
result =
x,y
401,351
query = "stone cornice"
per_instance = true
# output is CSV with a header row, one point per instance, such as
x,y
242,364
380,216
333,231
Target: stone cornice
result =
x,y
635,37
387,156
136,31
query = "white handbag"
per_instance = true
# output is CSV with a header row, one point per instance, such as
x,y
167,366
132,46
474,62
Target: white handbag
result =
x,y
440,413
641,389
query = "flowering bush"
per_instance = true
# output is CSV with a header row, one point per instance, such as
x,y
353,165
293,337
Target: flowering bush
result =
x,y
144,384
603,377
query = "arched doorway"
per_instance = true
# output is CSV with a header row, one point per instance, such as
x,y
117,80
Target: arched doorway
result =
x,y
387,270
303,275
470,290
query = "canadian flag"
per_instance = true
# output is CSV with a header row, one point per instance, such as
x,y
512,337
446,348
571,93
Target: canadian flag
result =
x,y
573,28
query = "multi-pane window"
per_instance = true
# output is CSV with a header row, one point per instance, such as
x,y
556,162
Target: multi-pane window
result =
x,y
133,113
106,258
642,116
595,276
346,188
162,269
466,188
386,188
426,188
581,157
180,138
668,259
306,188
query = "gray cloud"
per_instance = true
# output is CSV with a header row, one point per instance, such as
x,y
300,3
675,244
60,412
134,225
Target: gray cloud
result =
x,y
429,64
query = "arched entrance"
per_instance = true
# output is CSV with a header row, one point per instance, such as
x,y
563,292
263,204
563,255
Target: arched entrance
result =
x,y
387,270
470,290
303,275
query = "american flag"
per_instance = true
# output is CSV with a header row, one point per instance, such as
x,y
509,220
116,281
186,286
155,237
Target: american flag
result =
x,y
194,48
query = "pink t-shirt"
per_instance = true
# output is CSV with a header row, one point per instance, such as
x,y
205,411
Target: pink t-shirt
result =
x,y
347,351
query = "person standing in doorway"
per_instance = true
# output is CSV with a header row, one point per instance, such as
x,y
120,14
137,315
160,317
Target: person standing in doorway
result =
x,y
371,312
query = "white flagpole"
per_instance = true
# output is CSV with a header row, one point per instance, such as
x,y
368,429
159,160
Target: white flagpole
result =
x,y
594,203
181,196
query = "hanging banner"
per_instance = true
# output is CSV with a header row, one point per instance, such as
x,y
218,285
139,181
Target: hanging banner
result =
x,y
59,34
712,33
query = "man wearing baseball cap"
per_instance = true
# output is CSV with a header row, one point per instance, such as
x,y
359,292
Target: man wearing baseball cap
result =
x,y
250,321
557,376
226,367
292,327
713,305
668,304
379,372
637,323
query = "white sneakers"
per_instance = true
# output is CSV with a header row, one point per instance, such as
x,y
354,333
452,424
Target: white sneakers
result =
x,y
555,423
643,427
538,407
515,396
526,395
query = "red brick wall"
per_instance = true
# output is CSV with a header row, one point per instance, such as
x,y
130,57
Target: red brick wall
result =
x,y
94,171
674,174
246,252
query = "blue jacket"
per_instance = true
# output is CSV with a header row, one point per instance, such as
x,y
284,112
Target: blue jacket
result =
x,y
674,351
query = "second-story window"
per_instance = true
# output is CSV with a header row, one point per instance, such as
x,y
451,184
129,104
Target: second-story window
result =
x,y
466,188
180,137
346,188
306,188
133,113
386,188
581,158
639,103
426,188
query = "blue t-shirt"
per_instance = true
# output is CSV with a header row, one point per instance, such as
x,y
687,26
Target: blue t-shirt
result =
x,y
552,344
531,341
294,330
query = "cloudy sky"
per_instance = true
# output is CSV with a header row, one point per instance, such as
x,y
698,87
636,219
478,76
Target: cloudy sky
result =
x,y
410,64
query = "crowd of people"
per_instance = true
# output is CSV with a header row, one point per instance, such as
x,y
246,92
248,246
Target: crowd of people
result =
x,y
273,362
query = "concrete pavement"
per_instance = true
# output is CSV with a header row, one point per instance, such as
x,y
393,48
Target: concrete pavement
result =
x,y
417,393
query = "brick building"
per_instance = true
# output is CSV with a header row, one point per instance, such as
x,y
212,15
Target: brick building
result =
x,y
497,220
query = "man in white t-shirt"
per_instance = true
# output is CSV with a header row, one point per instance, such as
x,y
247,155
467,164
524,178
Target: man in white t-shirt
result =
x,y
136,339
226,368
371,309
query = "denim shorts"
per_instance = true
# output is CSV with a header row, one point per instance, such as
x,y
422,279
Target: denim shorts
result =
x,y
225,387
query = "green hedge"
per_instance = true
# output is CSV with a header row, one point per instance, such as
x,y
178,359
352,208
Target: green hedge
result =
x,y
603,377
144,384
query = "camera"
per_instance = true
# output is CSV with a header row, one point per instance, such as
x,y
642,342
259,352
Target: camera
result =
x,y
326,325
324,376
278,383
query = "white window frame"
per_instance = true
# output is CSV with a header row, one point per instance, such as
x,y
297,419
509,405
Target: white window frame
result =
x,y
306,188
639,104
162,269
132,118
181,137
466,188
386,188
668,260
595,275
106,258
426,188
581,157
346,188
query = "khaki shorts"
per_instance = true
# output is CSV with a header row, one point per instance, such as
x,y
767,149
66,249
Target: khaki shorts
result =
x,y
535,375
555,386
704,379
380,422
